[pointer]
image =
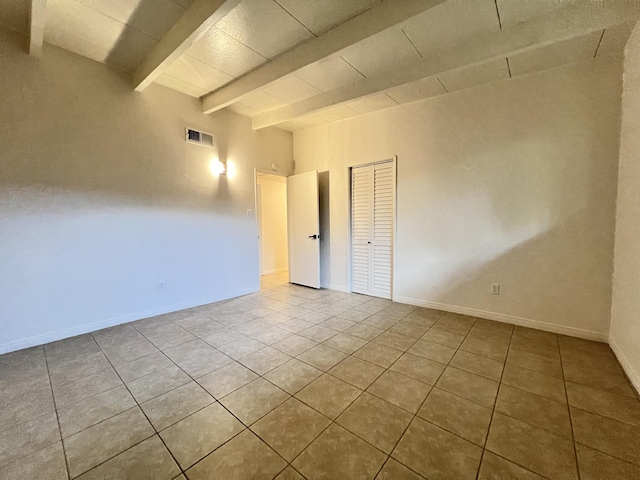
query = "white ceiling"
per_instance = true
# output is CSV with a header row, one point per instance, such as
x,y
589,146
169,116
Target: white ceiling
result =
x,y
121,33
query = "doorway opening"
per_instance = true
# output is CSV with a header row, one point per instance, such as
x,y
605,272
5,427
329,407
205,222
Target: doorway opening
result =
x,y
271,213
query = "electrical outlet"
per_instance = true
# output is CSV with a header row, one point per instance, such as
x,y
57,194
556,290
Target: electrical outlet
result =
x,y
249,213
495,289
161,286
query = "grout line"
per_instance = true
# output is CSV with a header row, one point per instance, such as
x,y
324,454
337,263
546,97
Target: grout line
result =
x,y
495,403
277,2
599,43
55,407
566,396
498,13
508,67
138,405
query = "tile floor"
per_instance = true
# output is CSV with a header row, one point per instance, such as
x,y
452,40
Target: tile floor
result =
x,y
294,383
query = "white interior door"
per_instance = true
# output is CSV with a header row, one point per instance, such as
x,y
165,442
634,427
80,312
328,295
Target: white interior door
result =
x,y
304,229
372,220
259,216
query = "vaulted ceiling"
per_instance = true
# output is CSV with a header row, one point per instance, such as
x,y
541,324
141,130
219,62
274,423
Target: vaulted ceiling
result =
x,y
298,63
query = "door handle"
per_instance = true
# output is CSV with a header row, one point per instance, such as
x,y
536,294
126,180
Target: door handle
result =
x,y
315,237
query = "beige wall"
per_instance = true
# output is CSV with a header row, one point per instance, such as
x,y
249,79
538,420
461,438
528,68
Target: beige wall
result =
x,y
625,313
274,224
511,183
101,198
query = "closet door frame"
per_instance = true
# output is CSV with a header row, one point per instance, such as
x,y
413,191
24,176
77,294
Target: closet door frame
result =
x,y
394,162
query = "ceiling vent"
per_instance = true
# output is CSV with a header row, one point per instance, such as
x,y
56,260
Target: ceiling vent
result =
x,y
199,138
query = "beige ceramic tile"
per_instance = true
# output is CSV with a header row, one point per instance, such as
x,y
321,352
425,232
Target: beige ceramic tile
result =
x,y
46,464
290,428
85,387
175,405
542,349
241,348
345,343
357,372
318,333
483,366
609,382
537,363
436,453
606,435
536,449
378,354
244,456
328,395
366,332
191,439
254,400
594,465
457,415
494,467
621,408
148,460
395,340
29,437
409,329
400,390
443,338
490,349
289,473
533,382
339,454
394,470
156,383
264,360
467,385
376,421
294,345
453,323
293,375
432,351
534,410
143,366
418,368
78,416
322,357
100,442
604,362
227,379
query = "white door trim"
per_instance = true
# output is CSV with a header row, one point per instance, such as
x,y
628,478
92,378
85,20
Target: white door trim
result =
x,y
350,168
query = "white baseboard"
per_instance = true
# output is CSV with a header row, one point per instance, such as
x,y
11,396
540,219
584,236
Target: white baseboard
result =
x,y
330,286
630,370
499,317
110,322
275,270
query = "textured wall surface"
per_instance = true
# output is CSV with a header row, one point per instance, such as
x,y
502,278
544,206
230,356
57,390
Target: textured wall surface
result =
x,y
101,198
511,183
625,312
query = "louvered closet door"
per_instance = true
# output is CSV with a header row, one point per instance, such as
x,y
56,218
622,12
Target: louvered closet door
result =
x,y
361,223
373,192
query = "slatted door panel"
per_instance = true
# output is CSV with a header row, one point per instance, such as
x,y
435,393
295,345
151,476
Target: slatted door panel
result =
x,y
383,205
373,194
361,225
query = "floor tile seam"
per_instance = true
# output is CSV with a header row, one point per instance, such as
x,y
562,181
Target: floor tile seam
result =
x,y
119,453
55,407
566,395
602,390
495,403
139,406
93,396
636,465
80,377
515,463
611,419
534,371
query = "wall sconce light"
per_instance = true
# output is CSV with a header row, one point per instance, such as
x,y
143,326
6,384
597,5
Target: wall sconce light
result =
x,y
217,167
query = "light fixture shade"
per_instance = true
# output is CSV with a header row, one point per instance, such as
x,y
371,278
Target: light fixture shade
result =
x,y
217,167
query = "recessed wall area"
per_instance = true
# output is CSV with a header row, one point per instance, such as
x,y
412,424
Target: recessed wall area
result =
x,y
272,192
